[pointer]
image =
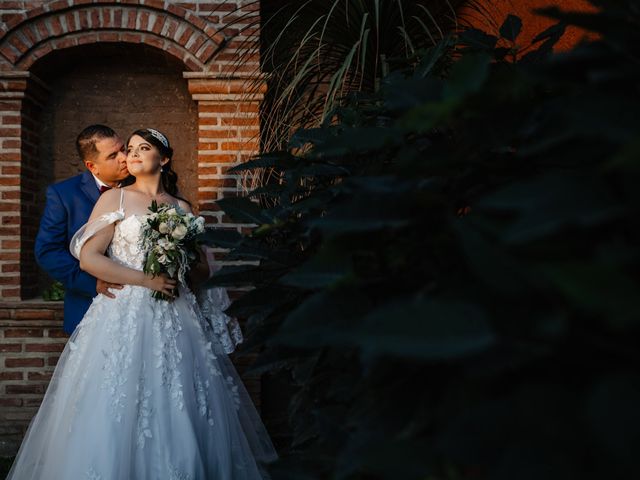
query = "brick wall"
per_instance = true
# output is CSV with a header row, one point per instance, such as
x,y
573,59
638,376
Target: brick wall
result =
x,y
189,82
494,12
31,340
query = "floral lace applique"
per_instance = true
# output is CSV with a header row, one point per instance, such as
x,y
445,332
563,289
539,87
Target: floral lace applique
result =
x,y
175,474
124,246
167,328
144,411
201,390
92,475
120,355
233,390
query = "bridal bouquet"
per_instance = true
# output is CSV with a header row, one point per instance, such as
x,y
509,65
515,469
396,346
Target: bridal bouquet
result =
x,y
169,238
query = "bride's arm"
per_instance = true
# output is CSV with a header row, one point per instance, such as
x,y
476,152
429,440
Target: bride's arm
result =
x,y
94,261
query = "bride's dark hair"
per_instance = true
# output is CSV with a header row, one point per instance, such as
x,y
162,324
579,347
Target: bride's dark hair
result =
x,y
168,177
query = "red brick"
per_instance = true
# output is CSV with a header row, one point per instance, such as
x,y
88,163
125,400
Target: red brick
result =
x,y
11,376
10,195
10,293
218,158
35,314
223,134
62,43
52,361
57,5
155,4
23,332
10,220
40,376
10,105
106,18
131,20
24,389
219,108
9,132
83,16
11,402
9,280
144,20
191,64
108,37
207,195
185,35
132,38
45,347
71,22
218,182
9,207
117,18
205,52
57,333
158,24
10,119
208,120
94,18
23,362
88,38
10,347
239,146
207,146
56,26
11,267
198,39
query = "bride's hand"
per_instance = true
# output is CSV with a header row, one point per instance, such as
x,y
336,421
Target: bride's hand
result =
x,y
161,283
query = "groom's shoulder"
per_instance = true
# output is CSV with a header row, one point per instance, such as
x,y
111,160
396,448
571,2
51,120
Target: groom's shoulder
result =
x,y
68,184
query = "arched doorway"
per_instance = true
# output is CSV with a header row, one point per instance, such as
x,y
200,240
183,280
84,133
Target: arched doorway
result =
x,y
124,86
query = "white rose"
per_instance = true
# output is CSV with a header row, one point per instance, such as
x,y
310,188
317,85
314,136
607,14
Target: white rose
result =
x,y
164,243
179,232
163,227
162,259
199,224
171,211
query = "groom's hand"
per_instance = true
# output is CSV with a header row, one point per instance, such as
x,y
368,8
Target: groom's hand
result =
x,y
103,288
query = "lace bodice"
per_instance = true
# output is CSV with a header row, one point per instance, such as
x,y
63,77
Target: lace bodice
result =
x,y
125,245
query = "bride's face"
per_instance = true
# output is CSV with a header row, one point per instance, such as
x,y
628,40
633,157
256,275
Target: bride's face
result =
x,y
143,157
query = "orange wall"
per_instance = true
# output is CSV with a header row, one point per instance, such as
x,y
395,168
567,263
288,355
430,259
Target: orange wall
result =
x,y
493,13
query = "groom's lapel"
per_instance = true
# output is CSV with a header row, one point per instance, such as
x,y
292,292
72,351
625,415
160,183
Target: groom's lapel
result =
x,y
89,187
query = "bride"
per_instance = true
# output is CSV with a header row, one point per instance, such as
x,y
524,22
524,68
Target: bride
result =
x,y
143,388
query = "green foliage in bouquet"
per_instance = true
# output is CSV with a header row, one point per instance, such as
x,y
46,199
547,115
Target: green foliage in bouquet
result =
x,y
448,267
54,292
170,240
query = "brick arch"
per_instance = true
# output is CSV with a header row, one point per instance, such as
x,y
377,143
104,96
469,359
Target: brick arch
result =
x,y
63,23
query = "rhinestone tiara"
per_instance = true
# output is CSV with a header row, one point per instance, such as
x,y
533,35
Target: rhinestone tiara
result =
x,y
159,136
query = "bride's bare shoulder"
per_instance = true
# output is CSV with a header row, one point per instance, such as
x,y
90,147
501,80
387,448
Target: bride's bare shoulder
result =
x,y
107,202
182,204
109,199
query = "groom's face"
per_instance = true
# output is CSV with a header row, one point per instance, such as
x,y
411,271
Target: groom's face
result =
x,y
109,164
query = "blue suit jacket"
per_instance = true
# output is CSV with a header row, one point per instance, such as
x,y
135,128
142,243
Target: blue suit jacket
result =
x,y
69,205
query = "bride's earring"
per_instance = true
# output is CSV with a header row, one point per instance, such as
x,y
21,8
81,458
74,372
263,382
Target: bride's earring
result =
x,y
161,170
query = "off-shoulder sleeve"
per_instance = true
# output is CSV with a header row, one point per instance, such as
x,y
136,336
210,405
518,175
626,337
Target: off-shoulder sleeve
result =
x,y
89,229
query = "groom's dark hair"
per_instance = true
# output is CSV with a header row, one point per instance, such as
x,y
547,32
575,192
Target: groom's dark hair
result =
x,y
86,140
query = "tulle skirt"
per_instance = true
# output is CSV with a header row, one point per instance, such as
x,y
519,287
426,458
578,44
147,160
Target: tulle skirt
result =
x,y
144,390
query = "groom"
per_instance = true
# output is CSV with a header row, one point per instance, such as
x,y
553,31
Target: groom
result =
x,y
68,207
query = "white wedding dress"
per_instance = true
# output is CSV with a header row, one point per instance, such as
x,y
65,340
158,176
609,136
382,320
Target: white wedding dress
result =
x,y
144,390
